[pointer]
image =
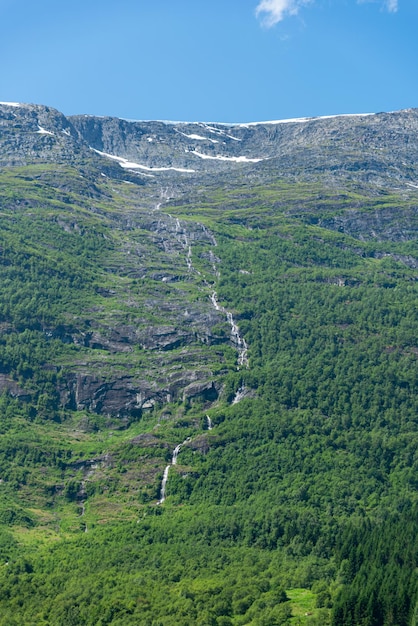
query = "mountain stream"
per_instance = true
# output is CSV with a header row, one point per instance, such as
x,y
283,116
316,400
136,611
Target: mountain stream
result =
x,y
180,234
237,339
167,469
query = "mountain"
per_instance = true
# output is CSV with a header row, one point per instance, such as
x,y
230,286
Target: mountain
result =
x,y
208,367
375,148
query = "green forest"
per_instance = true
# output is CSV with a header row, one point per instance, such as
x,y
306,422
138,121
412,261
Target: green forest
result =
x,y
298,505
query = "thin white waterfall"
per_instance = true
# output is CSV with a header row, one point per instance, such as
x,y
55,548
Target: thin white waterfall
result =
x,y
239,341
167,469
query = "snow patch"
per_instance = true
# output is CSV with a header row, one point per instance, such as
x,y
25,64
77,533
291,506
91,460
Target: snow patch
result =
x,y
43,131
200,138
197,137
240,159
11,104
66,132
218,131
130,165
302,120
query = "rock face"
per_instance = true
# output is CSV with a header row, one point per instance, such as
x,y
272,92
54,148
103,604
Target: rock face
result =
x,y
207,391
10,386
372,149
127,395
31,133
384,225
368,148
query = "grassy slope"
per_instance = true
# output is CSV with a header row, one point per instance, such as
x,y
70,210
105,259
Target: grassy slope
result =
x,y
327,439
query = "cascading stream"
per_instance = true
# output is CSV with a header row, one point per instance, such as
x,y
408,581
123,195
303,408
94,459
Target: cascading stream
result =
x,y
237,339
164,485
181,236
240,395
167,469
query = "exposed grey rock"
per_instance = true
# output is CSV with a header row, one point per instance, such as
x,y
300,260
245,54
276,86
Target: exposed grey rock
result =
x,y
9,385
127,395
375,149
207,391
385,224
33,133
201,443
121,396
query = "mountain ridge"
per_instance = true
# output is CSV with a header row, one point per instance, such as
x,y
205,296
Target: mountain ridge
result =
x,y
175,122
208,379
296,147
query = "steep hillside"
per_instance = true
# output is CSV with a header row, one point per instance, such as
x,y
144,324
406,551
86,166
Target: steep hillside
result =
x,y
208,367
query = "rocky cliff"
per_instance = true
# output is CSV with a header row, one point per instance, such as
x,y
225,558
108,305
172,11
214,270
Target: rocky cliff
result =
x,y
379,149
364,145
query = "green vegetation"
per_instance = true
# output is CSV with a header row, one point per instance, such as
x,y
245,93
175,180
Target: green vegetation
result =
x,y
299,506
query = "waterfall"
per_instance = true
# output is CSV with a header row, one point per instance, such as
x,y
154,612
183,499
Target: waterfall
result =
x,y
167,469
189,257
210,423
240,394
164,484
239,341
180,233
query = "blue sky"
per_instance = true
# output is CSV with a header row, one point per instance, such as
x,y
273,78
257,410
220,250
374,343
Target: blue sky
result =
x,y
223,60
